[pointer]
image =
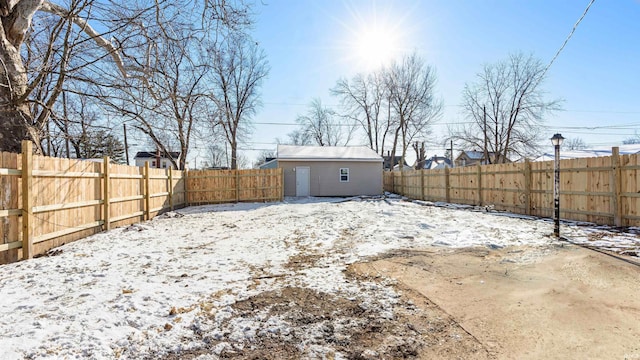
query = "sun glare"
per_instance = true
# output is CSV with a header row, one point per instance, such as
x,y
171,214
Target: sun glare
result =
x,y
375,36
375,47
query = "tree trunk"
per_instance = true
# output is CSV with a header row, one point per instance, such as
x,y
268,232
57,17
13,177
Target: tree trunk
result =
x,y
234,153
14,114
393,152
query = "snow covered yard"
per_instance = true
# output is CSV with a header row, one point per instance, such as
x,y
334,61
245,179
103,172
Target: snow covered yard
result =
x,y
213,281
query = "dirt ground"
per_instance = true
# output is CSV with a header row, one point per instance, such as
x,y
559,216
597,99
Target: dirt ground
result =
x,y
526,303
555,302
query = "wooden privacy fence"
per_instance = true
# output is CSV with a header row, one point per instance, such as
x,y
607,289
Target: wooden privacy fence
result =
x,y
46,202
223,186
602,190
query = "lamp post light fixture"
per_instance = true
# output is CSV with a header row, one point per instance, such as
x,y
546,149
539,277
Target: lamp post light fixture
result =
x,y
556,140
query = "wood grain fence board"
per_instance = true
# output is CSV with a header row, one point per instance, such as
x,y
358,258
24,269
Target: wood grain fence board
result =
x,y
65,181
127,199
106,193
27,200
463,185
629,189
222,186
10,196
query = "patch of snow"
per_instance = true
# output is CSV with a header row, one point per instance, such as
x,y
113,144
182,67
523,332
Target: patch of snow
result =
x,y
157,287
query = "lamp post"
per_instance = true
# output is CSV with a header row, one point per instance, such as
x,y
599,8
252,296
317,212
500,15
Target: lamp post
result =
x,y
556,140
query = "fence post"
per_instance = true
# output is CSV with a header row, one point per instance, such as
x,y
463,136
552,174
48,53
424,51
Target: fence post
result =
x,y
237,185
27,199
422,184
147,192
170,189
479,184
527,186
616,183
447,185
282,184
402,186
107,194
185,185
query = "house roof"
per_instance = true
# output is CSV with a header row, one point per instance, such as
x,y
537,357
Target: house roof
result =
x,y
327,153
437,162
396,160
152,154
475,154
587,153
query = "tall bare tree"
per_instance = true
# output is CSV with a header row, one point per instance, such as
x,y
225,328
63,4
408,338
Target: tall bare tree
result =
x,y
411,85
18,82
506,107
323,126
365,98
169,105
239,68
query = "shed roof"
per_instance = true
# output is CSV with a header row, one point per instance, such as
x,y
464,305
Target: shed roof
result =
x,y
153,154
327,153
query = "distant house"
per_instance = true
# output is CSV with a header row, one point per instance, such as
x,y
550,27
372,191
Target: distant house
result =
x,y
473,157
328,170
396,160
158,160
437,162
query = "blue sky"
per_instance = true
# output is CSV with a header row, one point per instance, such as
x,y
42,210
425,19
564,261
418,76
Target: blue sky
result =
x,y
310,44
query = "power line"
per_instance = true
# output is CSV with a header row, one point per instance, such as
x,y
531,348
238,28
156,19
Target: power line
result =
x,y
573,30
602,111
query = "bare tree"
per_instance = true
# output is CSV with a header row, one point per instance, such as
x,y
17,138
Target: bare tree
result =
x,y
421,155
18,83
411,85
506,107
239,67
216,156
574,144
262,157
170,104
365,100
297,137
323,126
632,140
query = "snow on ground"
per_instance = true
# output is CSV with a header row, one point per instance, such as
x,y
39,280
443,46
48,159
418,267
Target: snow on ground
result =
x,y
168,285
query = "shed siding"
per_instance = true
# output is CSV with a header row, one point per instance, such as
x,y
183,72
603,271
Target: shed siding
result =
x,y
365,178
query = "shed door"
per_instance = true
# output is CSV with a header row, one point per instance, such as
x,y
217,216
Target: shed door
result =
x,y
302,180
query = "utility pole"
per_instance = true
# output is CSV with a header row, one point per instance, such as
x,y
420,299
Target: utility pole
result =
x,y
451,153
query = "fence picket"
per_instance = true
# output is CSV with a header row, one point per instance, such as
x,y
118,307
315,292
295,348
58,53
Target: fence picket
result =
x,y
27,199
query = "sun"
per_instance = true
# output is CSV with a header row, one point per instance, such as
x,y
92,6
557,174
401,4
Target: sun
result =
x,y
376,46
375,36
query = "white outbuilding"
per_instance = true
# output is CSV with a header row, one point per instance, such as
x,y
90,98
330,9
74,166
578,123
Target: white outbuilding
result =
x,y
329,170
